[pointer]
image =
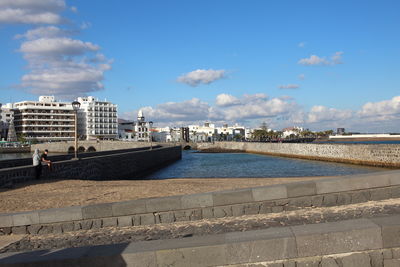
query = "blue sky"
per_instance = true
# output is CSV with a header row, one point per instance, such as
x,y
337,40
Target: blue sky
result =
x,y
317,64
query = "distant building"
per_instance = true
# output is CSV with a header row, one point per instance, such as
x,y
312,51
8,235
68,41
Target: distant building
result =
x,y
97,119
340,131
295,130
137,131
125,130
44,120
6,116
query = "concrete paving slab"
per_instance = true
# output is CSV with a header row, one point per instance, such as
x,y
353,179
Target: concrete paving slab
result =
x,y
97,211
300,189
129,207
197,201
60,215
25,218
163,204
232,197
269,192
6,220
390,230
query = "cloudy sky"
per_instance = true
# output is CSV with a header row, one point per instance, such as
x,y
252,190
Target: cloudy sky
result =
x,y
317,64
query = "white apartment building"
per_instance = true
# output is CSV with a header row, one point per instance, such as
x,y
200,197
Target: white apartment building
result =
x,y
6,116
44,120
97,119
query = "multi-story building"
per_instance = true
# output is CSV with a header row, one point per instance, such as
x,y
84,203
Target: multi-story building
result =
x,y
44,120
6,116
97,119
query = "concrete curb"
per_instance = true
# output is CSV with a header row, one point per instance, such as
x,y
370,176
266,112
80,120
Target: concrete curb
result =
x,y
230,248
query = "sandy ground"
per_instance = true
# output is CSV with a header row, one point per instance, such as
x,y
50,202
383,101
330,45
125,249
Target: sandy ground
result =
x,y
64,193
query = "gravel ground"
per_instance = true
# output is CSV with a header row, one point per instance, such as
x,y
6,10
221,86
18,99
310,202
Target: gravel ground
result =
x,y
63,193
205,227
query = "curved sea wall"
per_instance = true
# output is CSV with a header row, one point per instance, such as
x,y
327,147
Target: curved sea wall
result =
x,y
380,155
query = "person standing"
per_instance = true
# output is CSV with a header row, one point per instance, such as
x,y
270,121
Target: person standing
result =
x,y
44,159
37,164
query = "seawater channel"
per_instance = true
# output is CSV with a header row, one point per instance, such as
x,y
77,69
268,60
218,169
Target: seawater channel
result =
x,y
242,165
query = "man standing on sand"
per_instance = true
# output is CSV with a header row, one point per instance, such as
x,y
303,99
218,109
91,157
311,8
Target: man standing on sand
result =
x,y
44,158
37,164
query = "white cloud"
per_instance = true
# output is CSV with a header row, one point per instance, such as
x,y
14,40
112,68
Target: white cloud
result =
x,y
315,60
31,11
302,44
224,100
301,77
383,110
200,76
289,86
322,113
57,63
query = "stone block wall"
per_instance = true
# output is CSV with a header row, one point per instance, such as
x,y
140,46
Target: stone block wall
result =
x,y
121,164
365,154
258,200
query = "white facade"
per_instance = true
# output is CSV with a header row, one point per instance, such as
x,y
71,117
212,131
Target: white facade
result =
x,y
6,116
44,120
97,119
295,130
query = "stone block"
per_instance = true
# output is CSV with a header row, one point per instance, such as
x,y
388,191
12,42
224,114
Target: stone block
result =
x,y
77,226
46,229
147,219
300,202
237,210
197,201
163,204
60,215
68,227
387,254
353,182
395,191
223,211
277,209
25,218
396,253
6,220
309,262
337,237
343,199
110,222
194,256
167,217
97,211
266,207
289,263
329,262
19,230
34,229
124,221
376,258
182,215
390,230
269,192
330,200
317,200
129,207
147,259
136,220
252,208
391,263
86,224
232,197
57,228
356,260
196,215
360,196
97,223
260,245
300,189
207,213
380,193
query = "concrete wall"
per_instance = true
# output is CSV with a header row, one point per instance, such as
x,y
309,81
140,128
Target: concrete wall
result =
x,y
125,164
258,200
62,147
371,154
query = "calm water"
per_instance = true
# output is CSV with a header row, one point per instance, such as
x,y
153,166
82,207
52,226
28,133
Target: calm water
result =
x,y
236,165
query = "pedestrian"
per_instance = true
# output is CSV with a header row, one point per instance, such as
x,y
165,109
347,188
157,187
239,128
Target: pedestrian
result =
x,y
37,164
44,159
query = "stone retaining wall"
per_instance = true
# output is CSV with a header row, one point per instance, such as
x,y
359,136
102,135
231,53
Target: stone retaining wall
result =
x,y
125,164
376,241
365,154
259,200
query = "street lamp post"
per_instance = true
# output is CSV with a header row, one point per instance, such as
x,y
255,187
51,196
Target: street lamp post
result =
x,y
151,137
76,105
